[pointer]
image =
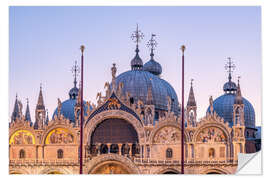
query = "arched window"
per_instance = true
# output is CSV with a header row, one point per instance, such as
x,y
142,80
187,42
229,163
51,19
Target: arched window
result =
x,y
22,154
169,153
60,154
211,152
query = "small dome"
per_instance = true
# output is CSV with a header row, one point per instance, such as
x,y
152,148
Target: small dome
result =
x,y
136,62
68,109
73,93
153,67
223,106
229,87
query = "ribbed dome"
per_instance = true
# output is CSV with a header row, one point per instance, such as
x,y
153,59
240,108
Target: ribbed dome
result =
x,y
68,109
73,93
223,106
153,67
137,83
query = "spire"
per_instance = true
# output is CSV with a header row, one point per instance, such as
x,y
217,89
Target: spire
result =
x,y
149,98
238,98
47,118
27,112
136,63
40,103
16,110
191,97
73,93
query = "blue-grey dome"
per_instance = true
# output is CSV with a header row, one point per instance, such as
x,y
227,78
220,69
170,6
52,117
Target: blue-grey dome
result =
x,y
223,106
68,109
137,82
153,67
229,87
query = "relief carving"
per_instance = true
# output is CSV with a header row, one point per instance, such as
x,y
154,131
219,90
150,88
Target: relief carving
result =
x,y
168,135
211,134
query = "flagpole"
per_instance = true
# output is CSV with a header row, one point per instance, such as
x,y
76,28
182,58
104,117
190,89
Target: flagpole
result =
x,y
82,118
183,120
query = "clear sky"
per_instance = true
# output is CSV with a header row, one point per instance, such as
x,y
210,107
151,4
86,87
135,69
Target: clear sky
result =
x,y
45,41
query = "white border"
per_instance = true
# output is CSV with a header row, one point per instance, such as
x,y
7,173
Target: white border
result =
x,y
4,67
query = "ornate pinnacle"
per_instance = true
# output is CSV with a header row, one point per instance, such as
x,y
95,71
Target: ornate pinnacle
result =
x,y
191,82
230,66
152,44
238,79
137,36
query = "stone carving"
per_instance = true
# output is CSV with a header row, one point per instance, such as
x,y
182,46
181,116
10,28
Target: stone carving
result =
x,y
238,133
60,136
168,134
113,69
107,88
169,103
99,101
149,116
113,103
211,134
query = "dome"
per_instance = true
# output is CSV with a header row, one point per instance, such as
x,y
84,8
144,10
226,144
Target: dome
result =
x,y
73,93
229,86
137,82
68,109
153,67
136,62
223,106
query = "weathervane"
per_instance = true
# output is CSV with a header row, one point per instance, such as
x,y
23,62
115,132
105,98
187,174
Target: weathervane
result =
x,y
152,44
230,67
137,36
75,70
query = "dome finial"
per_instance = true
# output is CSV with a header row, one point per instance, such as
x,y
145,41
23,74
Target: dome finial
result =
x,y
136,63
152,44
75,70
230,66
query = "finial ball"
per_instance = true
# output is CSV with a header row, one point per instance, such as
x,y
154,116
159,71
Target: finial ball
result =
x,y
183,48
82,48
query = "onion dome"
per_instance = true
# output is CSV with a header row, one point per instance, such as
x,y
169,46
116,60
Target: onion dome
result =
x,y
152,66
223,105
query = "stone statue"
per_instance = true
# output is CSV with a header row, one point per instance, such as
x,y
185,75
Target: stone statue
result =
x,y
113,69
59,107
211,104
169,103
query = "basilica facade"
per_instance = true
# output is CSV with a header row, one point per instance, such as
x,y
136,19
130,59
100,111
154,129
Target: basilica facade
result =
x,y
134,128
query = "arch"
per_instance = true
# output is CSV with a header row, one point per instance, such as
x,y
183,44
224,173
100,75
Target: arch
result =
x,y
169,153
22,154
22,136
60,154
68,128
92,123
111,163
170,124
55,171
59,135
114,130
209,125
167,170
216,171
20,170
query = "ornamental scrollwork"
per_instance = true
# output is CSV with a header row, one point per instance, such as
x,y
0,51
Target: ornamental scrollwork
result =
x,y
168,134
